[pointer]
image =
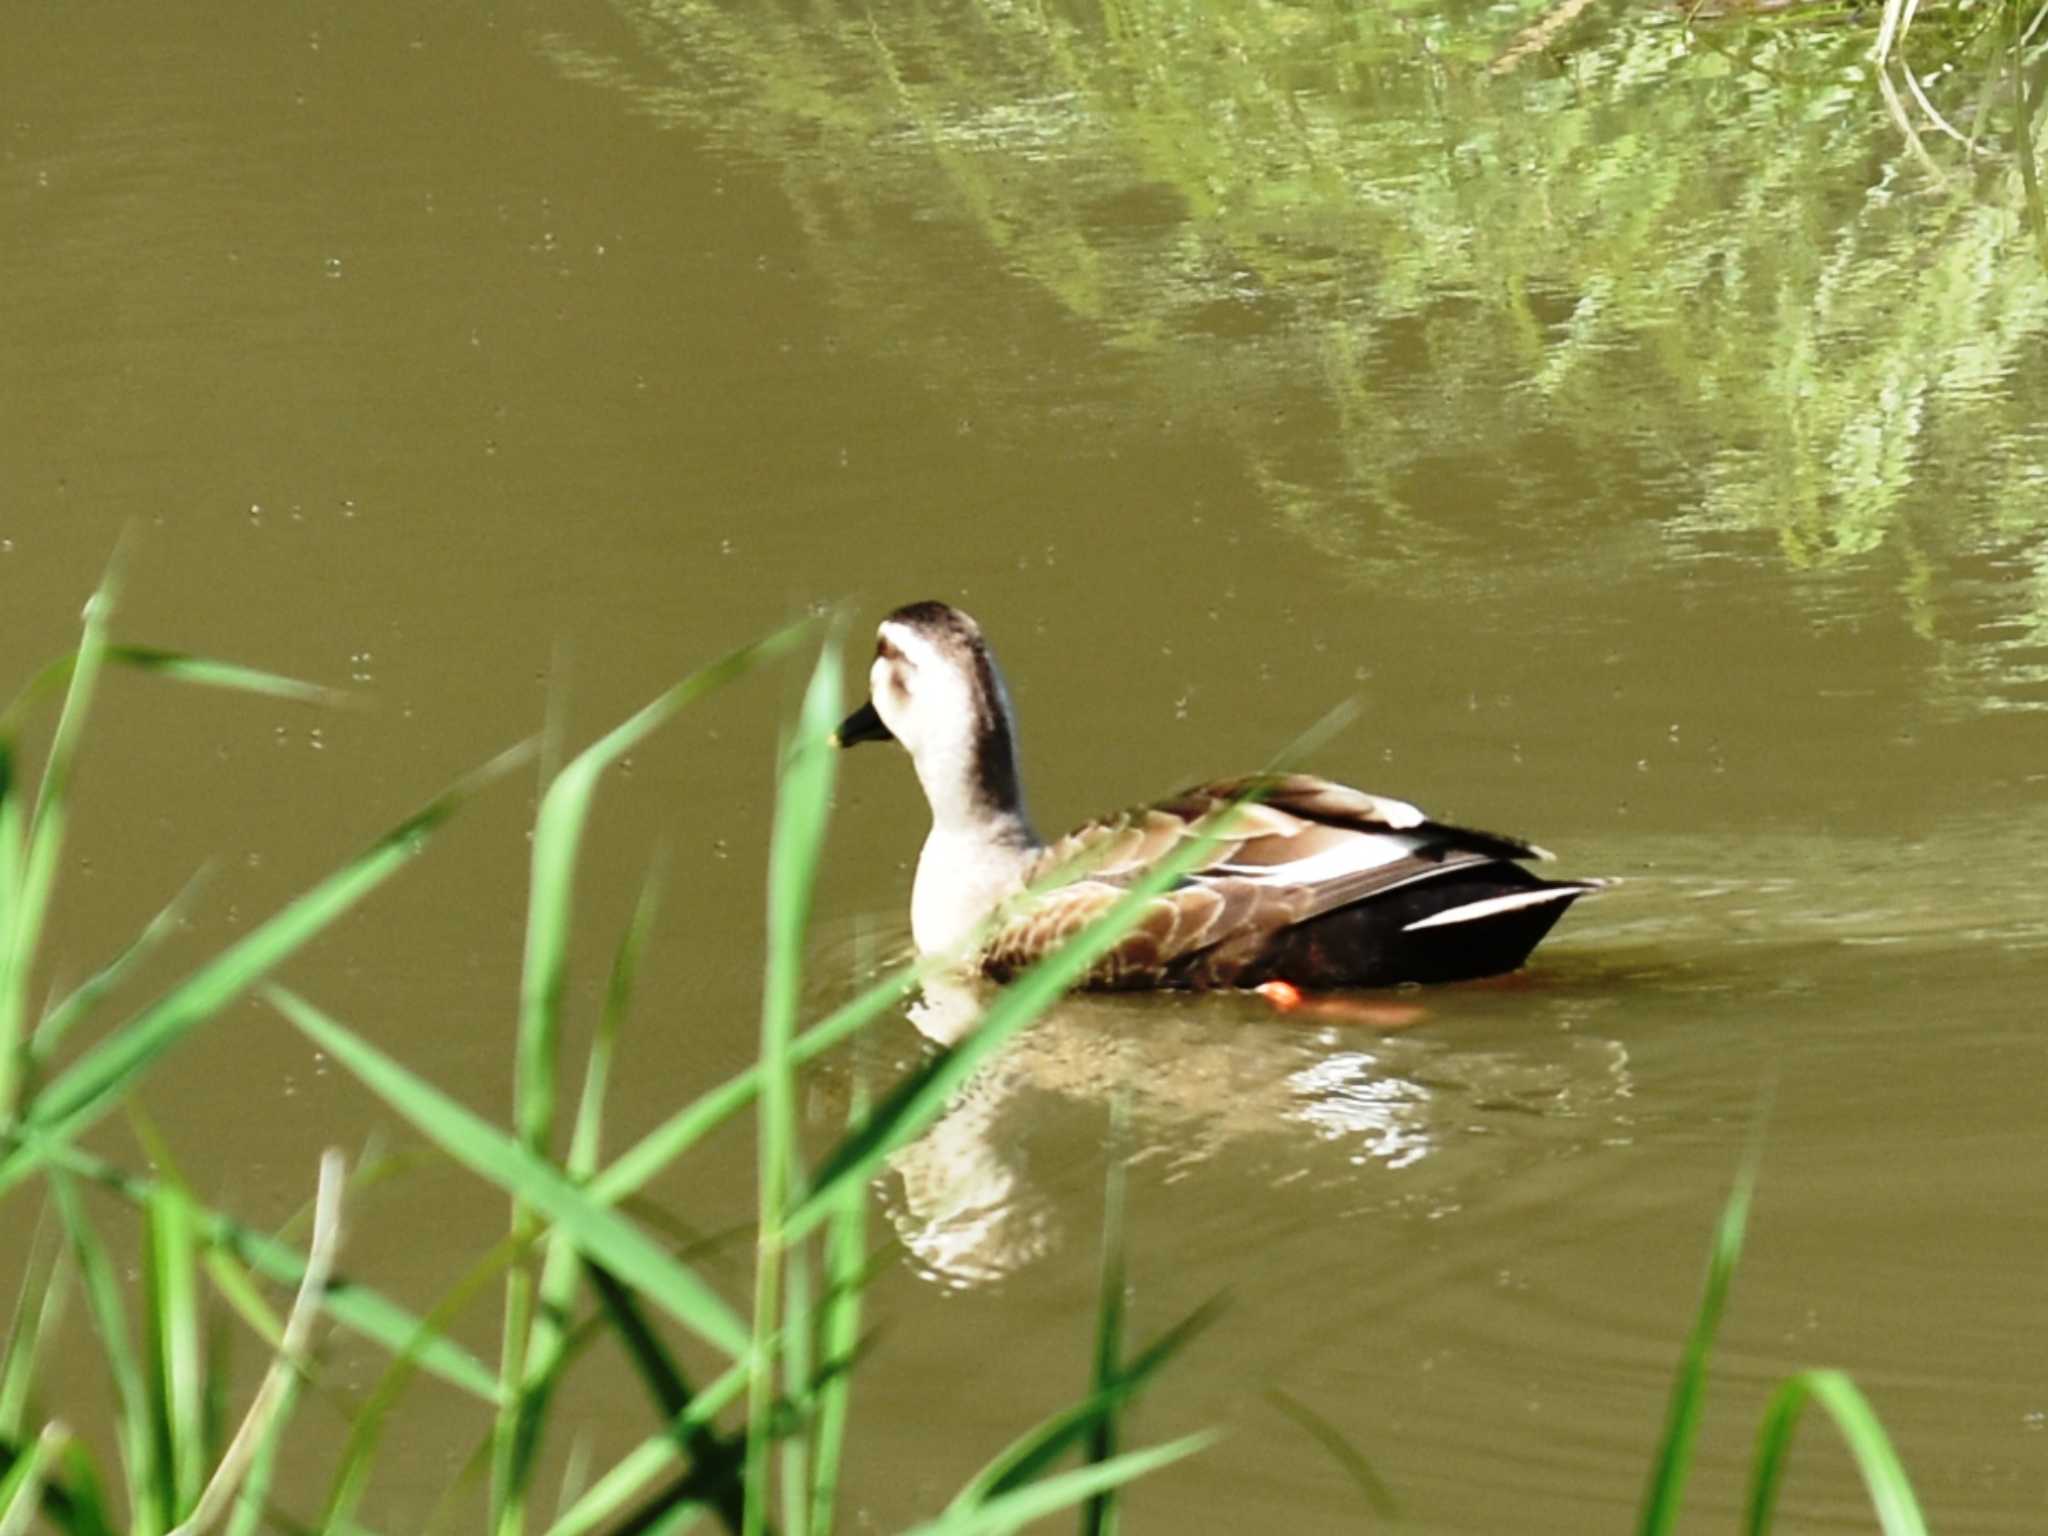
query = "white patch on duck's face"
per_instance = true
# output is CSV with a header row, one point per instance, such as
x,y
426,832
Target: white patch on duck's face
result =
x,y
929,698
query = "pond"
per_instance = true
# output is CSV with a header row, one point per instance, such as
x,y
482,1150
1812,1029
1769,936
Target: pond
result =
x,y
1643,418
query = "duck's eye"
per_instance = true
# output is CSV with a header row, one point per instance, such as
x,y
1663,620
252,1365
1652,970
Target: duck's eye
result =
x,y
899,685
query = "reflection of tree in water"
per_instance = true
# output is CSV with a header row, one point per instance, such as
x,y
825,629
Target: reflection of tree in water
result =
x,y
1676,266
970,1200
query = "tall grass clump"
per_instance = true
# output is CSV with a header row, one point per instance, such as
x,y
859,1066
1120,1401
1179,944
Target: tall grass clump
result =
x,y
784,1366
758,1445
179,1467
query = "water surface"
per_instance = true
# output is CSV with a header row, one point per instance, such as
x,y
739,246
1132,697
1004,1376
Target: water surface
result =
x,y
1644,429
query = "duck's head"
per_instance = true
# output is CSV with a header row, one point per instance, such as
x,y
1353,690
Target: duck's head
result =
x,y
934,688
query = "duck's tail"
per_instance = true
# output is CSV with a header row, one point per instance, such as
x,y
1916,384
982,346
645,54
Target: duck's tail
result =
x,y
1473,920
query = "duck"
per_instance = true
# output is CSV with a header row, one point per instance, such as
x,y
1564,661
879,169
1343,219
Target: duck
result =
x,y
1310,884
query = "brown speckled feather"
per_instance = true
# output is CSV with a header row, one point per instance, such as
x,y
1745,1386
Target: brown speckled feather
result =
x,y
1224,914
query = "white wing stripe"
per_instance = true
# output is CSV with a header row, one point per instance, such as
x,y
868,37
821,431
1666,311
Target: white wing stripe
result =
x,y
1367,850
1493,906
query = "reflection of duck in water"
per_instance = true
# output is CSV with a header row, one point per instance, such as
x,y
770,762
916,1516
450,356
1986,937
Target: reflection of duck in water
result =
x,y
1315,884
968,1211
993,1185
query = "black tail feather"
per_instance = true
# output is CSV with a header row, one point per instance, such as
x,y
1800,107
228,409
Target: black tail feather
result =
x,y
1369,943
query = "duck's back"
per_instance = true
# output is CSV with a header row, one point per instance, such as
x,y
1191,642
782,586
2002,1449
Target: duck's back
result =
x,y
1311,882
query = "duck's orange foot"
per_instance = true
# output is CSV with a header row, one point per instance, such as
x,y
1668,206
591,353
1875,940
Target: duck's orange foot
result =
x,y
1286,997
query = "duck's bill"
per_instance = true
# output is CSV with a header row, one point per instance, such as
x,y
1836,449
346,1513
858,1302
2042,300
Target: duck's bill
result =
x,y
862,725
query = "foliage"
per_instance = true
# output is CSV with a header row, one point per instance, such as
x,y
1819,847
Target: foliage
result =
x,y
1716,262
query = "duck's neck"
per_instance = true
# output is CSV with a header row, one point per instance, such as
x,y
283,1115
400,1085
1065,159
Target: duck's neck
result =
x,y
962,815
963,875
975,790
980,844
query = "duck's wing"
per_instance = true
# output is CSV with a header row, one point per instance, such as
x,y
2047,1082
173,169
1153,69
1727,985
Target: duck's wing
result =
x,y
1304,847
1202,914
1303,798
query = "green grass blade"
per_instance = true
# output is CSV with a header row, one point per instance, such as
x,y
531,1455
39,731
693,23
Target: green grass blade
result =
x,y
148,1490
557,835
1688,1391
13,831
441,1519
186,1381
845,1278
547,1348
45,841
70,1499
212,1431
1033,1453
206,672
356,1307
1330,1438
1014,1510
586,1144
176,1362
715,1463
45,836
654,1456
793,1429
95,1082
651,1360
1884,1476
21,1488
38,1307
57,1023
177,667
575,1474
365,1311
234,1285
802,804
1098,1516
660,1147
481,1147
366,1428
676,1521
75,1502
671,1512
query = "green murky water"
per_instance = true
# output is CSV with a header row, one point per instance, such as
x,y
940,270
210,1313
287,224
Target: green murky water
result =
x,y
1646,425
